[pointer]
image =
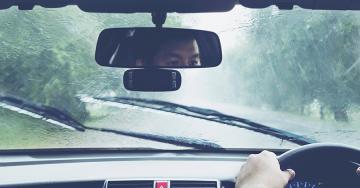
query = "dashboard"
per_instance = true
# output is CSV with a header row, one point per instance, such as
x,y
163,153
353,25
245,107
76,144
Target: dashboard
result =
x,y
128,170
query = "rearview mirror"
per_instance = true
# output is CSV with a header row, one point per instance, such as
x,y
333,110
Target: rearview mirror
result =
x,y
158,48
152,80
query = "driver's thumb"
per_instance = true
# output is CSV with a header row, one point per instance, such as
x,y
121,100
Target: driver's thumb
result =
x,y
289,174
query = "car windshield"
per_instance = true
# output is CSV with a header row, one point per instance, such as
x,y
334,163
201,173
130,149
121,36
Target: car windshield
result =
x,y
287,78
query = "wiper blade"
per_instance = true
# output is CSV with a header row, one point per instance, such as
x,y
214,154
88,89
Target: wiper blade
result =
x,y
46,113
210,115
58,117
178,141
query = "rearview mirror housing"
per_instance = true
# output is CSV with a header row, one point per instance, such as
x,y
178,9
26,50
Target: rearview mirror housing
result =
x,y
158,48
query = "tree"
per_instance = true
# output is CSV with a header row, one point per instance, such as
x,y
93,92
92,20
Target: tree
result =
x,y
299,58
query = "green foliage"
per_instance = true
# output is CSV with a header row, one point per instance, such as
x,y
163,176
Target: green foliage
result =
x,y
297,59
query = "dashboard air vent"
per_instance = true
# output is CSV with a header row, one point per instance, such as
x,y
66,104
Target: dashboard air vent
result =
x,y
193,184
129,184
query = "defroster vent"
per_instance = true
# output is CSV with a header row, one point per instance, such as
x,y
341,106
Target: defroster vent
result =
x,y
193,184
129,184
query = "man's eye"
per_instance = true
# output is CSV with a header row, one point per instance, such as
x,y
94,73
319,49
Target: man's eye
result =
x,y
195,63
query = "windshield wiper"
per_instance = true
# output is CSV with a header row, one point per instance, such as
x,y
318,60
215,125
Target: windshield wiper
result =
x,y
210,115
46,113
58,117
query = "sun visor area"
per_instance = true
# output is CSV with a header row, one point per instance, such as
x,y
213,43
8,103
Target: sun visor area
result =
x,y
306,4
127,6
180,6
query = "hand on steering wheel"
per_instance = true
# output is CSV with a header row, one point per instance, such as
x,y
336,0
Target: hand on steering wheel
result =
x,y
263,171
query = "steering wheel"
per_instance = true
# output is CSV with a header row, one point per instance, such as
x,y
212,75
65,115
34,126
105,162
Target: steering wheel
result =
x,y
331,165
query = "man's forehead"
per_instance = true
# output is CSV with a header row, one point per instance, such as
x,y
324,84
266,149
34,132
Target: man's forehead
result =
x,y
190,45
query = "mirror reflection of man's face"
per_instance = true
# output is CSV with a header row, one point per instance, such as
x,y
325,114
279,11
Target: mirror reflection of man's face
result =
x,y
178,54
